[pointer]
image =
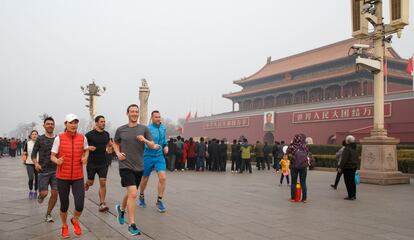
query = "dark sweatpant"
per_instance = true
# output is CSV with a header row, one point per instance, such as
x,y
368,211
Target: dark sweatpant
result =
x,y
349,177
338,177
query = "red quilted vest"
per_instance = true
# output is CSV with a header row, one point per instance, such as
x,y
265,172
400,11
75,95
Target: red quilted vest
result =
x,y
71,148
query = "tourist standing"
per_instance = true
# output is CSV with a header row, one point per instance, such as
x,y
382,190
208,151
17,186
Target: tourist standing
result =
x,y
246,150
349,165
299,152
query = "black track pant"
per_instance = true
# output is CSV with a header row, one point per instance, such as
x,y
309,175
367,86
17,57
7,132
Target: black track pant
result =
x,y
32,174
78,192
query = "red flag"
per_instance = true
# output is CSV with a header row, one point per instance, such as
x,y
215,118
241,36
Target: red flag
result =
x,y
385,69
188,116
195,115
409,68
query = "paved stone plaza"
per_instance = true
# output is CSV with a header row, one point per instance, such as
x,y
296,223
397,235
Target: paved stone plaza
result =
x,y
218,206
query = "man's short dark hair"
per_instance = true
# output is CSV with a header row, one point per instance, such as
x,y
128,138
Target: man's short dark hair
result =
x,y
132,105
98,117
155,111
48,119
269,114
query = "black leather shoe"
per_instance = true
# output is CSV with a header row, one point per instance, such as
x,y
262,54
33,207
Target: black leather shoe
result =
x,y
333,186
348,198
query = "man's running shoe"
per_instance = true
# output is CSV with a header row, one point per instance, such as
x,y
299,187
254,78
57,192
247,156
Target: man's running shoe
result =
x,y
160,207
30,195
103,207
141,202
65,231
133,230
49,218
76,227
120,214
35,195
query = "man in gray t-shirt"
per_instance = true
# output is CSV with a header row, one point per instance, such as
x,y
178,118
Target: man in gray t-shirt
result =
x,y
133,149
129,144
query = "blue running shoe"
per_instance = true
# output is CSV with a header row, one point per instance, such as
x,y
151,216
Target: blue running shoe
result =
x,y
141,202
160,207
120,214
133,230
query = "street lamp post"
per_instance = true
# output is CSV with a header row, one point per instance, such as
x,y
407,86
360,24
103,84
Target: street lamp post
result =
x,y
379,155
92,91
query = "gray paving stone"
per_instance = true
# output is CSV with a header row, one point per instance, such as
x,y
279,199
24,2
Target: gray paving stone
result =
x,y
219,206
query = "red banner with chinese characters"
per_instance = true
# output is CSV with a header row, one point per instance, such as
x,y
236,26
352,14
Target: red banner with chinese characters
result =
x,y
227,123
342,113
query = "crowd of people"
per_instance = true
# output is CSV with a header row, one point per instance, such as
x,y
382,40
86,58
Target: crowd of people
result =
x,y
212,155
11,146
55,163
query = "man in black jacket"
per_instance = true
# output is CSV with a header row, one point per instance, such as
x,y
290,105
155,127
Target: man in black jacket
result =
x,y
223,155
235,156
348,166
213,151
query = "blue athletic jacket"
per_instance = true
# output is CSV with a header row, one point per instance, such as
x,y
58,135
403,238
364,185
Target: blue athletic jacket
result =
x,y
159,136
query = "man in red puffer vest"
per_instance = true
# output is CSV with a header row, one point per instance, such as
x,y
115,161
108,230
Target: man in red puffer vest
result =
x,y
70,152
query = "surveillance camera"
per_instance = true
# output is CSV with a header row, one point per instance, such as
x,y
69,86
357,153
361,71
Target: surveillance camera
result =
x,y
369,64
388,39
360,46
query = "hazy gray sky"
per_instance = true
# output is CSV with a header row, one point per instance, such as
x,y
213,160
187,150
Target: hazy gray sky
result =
x,y
189,51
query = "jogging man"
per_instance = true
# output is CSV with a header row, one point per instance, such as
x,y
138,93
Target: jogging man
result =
x,y
129,143
45,167
98,140
154,159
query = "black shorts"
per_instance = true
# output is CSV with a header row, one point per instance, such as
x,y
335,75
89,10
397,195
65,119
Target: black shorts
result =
x,y
102,171
130,177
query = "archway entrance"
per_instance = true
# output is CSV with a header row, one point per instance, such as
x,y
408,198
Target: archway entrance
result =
x,y
269,138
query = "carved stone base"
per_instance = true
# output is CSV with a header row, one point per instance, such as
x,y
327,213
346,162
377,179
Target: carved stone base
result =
x,y
383,178
379,160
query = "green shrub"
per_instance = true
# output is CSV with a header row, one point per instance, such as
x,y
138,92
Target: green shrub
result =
x,y
328,161
405,146
404,153
405,164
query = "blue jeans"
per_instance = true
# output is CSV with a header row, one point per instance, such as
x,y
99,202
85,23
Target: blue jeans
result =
x,y
200,163
302,179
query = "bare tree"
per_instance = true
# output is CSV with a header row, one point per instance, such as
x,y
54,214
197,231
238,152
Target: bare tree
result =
x,y
44,116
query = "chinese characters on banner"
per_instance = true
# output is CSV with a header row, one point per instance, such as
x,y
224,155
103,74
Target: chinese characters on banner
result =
x,y
343,113
227,123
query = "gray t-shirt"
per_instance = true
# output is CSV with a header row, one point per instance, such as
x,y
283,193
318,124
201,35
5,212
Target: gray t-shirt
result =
x,y
126,137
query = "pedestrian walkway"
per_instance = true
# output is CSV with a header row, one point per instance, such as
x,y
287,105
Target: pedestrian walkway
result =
x,y
207,205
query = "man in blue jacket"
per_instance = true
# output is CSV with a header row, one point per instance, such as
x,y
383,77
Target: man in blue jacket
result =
x,y
154,159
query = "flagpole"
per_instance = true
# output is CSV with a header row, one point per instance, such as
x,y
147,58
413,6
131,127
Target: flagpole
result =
x,y
386,76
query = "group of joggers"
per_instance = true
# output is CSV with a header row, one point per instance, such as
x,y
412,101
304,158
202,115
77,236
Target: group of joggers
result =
x,y
58,160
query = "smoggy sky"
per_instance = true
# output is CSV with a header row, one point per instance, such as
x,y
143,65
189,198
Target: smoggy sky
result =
x,y
189,51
